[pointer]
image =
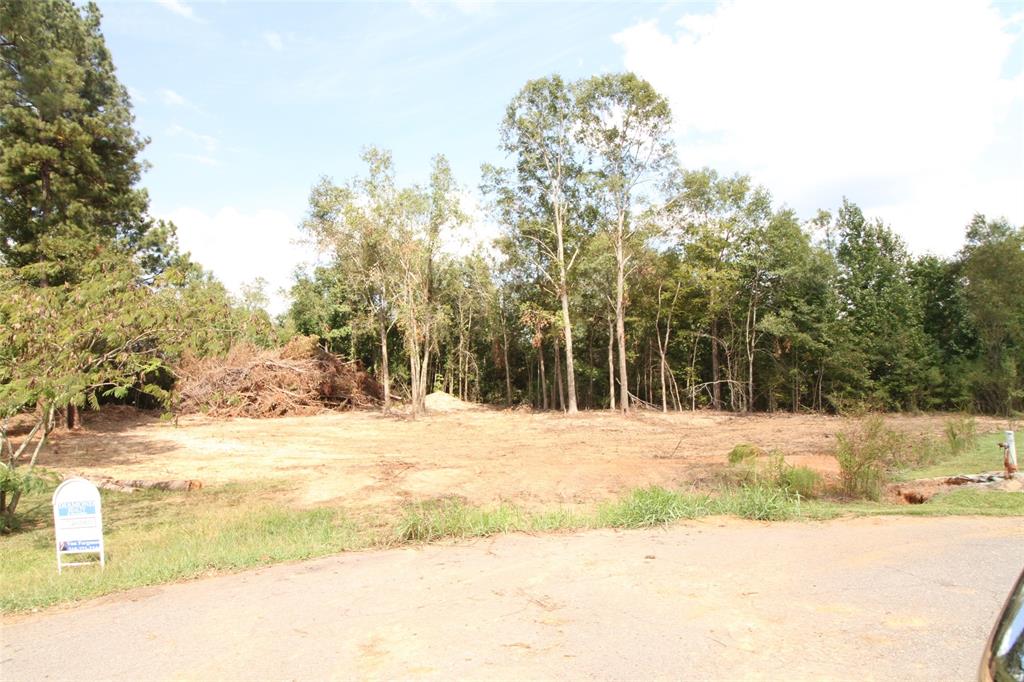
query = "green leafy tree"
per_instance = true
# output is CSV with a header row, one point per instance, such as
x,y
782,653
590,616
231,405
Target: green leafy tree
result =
x,y
69,166
538,200
356,223
881,313
625,125
74,345
992,263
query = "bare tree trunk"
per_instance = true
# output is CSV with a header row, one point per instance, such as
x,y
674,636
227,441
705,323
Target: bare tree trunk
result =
x,y
620,322
664,397
570,361
590,359
47,426
796,381
751,344
74,418
716,391
611,366
543,379
691,379
508,375
424,367
558,376
385,373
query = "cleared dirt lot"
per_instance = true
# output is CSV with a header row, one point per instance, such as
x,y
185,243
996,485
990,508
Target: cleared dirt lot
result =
x,y
862,599
485,455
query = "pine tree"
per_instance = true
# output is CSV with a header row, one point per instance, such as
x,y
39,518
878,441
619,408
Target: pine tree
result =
x,y
69,165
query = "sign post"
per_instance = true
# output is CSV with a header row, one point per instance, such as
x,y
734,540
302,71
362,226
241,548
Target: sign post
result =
x,y
1011,451
77,522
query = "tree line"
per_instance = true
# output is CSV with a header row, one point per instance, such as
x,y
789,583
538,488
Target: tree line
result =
x,y
620,279
623,279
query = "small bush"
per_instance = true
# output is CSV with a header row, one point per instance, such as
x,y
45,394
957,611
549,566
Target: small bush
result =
x,y
802,481
928,451
653,506
743,452
867,455
961,434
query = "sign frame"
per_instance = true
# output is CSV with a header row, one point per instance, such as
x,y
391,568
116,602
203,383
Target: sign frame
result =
x,y
77,522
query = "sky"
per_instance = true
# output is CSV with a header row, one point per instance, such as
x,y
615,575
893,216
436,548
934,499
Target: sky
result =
x,y
915,111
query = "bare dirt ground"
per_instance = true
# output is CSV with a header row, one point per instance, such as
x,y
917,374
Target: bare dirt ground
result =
x,y
861,599
485,455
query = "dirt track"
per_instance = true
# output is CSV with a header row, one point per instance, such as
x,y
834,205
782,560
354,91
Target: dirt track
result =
x,y
884,598
364,458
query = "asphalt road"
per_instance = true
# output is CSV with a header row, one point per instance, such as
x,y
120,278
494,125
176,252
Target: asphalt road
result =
x,y
888,598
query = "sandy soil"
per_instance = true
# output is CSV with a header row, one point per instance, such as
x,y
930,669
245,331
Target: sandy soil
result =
x,y
862,599
485,455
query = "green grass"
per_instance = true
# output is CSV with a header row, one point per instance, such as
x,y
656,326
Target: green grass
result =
x,y
155,537
984,456
962,502
653,506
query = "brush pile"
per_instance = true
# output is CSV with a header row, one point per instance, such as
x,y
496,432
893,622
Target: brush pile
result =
x,y
300,378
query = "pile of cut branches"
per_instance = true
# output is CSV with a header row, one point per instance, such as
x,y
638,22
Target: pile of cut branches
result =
x,y
300,378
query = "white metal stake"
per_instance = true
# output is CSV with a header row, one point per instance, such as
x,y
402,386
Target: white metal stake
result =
x,y
1011,448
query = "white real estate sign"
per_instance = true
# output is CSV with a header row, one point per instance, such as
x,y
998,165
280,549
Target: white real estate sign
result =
x,y
77,521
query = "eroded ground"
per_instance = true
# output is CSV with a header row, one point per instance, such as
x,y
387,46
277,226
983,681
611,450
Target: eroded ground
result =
x,y
485,455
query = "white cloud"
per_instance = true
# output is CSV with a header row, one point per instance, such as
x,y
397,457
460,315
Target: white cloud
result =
x,y
274,40
179,8
200,158
469,6
903,107
238,246
429,8
424,8
170,97
209,143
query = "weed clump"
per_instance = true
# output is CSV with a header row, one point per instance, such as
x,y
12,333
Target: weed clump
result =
x,y
866,457
653,506
802,481
451,517
961,434
761,502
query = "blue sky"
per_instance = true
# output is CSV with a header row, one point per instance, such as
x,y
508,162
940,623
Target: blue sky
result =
x,y
915,111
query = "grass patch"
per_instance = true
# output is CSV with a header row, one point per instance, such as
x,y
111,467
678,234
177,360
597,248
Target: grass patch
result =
x,y
962,502
759,502
653,506
453,518
156,537
983,455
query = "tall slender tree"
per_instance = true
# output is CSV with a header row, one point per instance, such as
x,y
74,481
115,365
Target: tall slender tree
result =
x,y
540,196
626,126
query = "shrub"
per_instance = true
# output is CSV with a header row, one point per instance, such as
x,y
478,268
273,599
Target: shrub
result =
x,y
961,434
802,481
867,455
743,452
